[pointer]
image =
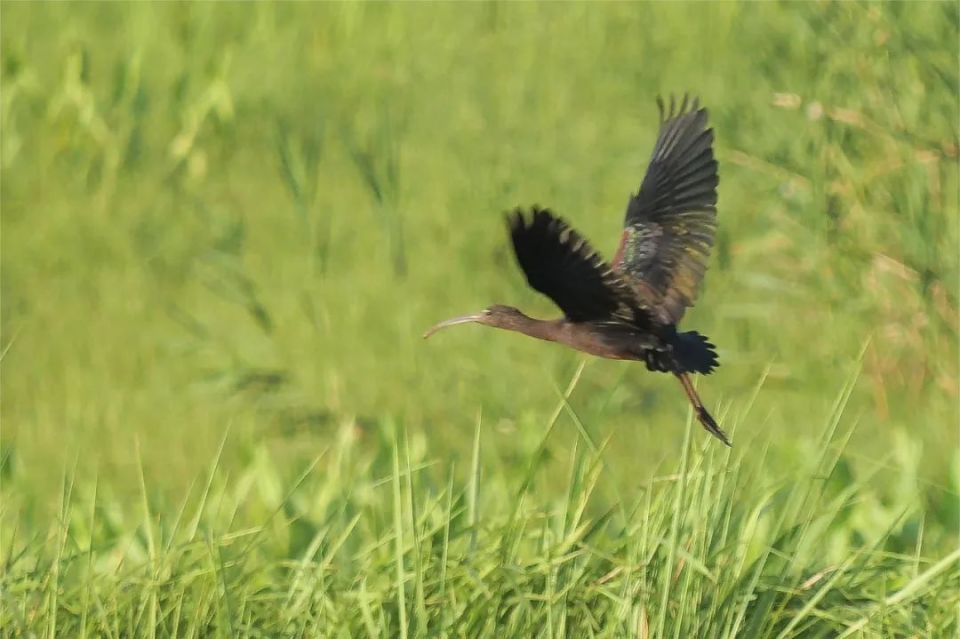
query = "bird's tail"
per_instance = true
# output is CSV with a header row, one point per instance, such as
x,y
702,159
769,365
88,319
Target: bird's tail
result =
x,y
704,417
694,353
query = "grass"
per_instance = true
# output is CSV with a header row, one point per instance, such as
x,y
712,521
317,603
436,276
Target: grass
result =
x,y
711,549
226,227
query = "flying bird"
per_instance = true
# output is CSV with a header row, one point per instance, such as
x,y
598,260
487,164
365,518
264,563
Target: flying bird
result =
x,y
629,309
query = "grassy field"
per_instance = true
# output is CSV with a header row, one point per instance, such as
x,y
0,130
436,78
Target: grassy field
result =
x,y
226,226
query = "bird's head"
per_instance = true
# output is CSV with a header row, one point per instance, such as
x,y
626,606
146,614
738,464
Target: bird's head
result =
x,y
498,316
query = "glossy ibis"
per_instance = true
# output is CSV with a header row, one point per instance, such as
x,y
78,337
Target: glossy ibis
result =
x,y
629,310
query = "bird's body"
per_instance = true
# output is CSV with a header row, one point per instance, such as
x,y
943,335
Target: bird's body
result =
x,y
607,340
629,310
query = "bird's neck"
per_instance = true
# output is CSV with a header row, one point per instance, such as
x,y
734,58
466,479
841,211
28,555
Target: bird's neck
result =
x,y
580,336
548,330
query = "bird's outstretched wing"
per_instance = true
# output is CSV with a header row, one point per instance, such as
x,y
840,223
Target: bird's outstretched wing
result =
x,y
559,263
670,223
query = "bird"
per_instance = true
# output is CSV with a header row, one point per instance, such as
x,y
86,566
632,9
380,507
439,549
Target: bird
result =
x,y
629,308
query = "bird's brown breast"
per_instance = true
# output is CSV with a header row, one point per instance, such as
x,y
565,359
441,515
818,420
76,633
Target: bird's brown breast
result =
x,y
603,340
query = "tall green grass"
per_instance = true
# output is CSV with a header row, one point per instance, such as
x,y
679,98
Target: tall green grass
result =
x,y
226,226
710,548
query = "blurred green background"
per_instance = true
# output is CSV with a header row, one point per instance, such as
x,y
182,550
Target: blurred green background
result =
x,y
241,217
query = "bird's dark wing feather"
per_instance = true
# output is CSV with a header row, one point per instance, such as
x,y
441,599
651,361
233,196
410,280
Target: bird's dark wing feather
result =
x,y
670,223
559,263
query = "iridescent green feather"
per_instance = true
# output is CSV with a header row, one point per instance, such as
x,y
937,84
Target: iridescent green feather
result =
x,y
670,223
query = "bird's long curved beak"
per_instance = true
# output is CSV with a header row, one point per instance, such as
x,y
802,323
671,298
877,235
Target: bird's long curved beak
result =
x,y
453,321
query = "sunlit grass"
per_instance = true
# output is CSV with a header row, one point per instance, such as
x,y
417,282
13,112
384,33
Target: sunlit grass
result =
x,y
709,549
227,226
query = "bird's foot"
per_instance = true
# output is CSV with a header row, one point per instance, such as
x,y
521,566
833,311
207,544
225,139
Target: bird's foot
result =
x,y
710,424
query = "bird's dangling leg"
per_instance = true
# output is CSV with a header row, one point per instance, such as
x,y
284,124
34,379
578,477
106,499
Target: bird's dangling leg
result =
x,y
705,418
